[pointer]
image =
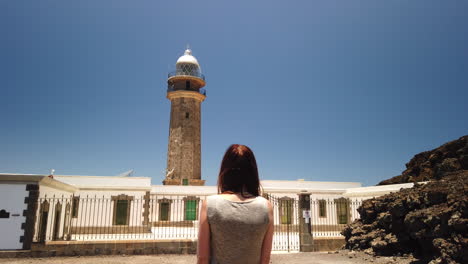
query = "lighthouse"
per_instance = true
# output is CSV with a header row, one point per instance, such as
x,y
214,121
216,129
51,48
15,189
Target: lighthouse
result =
x,y
186,93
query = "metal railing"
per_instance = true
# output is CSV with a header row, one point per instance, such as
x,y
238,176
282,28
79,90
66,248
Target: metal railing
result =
x,y
117,217
186,73
286,223
201,90
124,217
330,216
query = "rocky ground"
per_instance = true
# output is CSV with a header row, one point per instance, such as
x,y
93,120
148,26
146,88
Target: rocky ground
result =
x,y
338,257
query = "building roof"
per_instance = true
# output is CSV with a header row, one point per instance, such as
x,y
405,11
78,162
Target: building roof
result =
x,y
184,189
267,185
38,179
103,183
106,182
307,186
376,190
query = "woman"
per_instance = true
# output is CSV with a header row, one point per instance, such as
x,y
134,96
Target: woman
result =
x,y
236,226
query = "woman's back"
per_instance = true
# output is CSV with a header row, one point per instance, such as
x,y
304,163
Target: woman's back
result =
x,y
234,230
237,229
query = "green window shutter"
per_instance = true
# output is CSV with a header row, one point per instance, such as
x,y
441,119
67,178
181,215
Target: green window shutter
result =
x,y
121,213
342,211
286,212
164,211
184,181
322,208
191,210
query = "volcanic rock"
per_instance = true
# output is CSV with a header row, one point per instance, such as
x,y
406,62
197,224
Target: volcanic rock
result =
x,y
429,221
434,164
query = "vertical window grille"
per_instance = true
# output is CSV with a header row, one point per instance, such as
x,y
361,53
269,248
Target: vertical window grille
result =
x,y
164,211
121,212
286,210
342,210
322,208
191,210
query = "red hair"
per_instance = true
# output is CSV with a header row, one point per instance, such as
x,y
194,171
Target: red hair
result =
x,y
238,172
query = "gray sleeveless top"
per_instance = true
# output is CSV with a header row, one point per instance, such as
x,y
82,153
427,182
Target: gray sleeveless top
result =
x,y
237,229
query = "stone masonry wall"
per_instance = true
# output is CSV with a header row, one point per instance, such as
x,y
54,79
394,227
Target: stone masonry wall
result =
x,y
118,247
184,150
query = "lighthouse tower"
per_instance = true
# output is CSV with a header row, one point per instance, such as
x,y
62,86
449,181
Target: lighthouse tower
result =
x,y
184,89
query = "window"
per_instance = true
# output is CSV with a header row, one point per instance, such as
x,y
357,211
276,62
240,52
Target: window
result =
x,y
191,206
75,206
286,211
184,181
164,211
121,212
342,210
187,85
187,115
322,208
187,69
121,209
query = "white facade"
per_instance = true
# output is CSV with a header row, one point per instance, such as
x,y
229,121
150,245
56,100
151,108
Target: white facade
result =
x,y
114,207
12,202
53,215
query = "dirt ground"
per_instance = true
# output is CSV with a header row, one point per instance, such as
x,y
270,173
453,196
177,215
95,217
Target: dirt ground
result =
x,y
339,257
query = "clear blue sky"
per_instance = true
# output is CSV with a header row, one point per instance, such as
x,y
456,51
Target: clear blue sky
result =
x,y
320,90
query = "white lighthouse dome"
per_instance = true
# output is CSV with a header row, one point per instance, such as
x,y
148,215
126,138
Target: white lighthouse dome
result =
x,y
188,58
187,74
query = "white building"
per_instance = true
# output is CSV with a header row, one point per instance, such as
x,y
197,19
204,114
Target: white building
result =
x,y
42,208
39,208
